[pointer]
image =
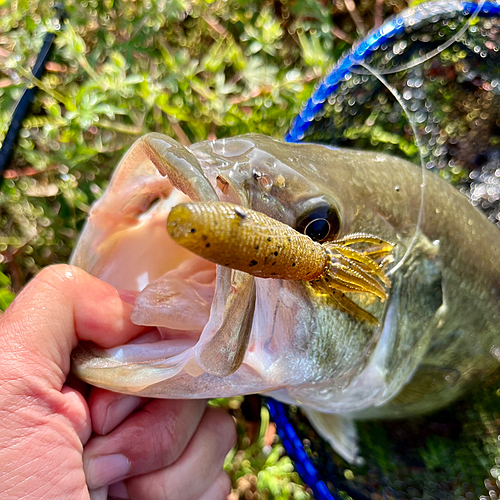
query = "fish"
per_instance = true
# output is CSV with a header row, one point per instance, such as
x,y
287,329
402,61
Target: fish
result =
x,y
254,243
219,331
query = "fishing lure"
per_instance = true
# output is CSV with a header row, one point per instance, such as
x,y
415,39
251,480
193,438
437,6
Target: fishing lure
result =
x,y
250,241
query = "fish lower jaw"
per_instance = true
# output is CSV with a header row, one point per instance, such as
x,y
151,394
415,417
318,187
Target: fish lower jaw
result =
x,y
126,244
173,291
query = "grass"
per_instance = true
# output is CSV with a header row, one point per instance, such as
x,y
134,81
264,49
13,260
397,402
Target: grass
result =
x,y
190,69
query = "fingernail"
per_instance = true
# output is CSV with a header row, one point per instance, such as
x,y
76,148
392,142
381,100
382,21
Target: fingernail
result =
x,y
99,493
118,410
128,296
118,490
106,469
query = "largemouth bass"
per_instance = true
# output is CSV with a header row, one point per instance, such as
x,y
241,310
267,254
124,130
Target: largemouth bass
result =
x,y
219,332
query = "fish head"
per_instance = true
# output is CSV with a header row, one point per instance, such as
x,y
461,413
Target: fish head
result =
x,y
288,181
217,332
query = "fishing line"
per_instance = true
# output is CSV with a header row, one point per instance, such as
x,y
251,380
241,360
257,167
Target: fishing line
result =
x,y
418,143
432,53
379,75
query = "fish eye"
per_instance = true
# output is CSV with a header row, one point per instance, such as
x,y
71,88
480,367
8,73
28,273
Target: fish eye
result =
x,y
320,223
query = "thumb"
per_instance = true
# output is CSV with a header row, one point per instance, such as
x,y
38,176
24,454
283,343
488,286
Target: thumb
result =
x,y
59,307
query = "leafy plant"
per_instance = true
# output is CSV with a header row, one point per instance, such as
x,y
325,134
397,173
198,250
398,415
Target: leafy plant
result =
x,y
190,69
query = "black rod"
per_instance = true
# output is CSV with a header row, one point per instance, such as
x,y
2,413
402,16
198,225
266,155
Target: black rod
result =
x,y
26,99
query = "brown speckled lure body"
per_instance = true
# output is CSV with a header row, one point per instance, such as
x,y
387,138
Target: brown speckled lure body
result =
x,y
250,241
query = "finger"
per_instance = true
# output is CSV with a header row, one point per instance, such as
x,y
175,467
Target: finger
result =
x,y
77,411
108,409
99,494
65,305
152,438
220,489
205,454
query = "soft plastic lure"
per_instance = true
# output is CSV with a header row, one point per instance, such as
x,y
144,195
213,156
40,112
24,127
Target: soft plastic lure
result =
x,y
250,241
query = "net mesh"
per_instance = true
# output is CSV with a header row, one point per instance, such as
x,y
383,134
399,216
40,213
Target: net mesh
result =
x,y
451,454
445,67
452,99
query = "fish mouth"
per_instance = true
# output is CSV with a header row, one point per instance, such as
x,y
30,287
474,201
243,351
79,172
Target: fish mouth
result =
x,y
200,314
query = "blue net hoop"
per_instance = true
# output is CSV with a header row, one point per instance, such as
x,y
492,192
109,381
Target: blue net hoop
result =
x,y
370,44
344,67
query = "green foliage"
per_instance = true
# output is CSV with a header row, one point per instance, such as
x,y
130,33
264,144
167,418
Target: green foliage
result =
x,y
414,3
259,468
191,69
6,294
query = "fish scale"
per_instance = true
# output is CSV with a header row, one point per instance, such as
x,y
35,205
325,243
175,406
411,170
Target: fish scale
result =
x,y
466,454
431,341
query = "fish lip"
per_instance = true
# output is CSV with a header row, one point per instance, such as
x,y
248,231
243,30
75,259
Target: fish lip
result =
x,y
186,173
212,333
181,168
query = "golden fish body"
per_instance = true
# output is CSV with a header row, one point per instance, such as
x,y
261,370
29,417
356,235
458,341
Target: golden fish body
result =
x,y
440,322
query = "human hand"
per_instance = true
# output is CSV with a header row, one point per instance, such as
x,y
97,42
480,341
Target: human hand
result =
x,y
146,449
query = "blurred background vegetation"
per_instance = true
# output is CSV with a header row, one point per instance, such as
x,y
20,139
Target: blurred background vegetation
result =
x,y
191,69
